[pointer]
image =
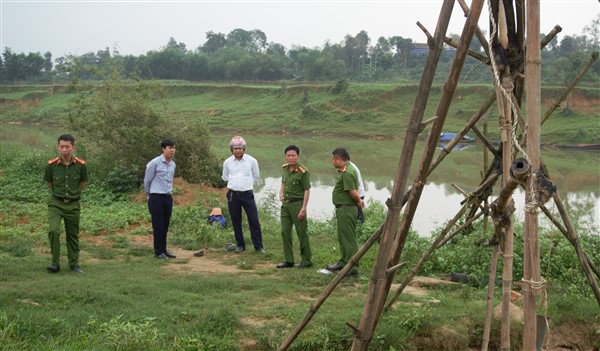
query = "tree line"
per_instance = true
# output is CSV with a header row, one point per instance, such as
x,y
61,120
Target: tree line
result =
x,y
247,55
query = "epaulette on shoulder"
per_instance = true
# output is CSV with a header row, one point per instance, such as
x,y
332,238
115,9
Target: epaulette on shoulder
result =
x,y
54,160
77,159
302,169
285,165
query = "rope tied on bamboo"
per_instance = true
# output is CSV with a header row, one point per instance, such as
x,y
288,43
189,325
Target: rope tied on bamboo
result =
x,y
537,287
541,189
531,206
500,86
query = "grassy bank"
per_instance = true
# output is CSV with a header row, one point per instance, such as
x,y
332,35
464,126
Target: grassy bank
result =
x,y
364,110
128,300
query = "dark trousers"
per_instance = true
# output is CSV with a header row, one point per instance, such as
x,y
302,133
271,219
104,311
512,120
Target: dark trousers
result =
x,y
160,207
361,216
236,200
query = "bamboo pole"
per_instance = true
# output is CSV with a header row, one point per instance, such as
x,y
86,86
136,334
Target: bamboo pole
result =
x,y
380,284
329,289
533,284
382,287
485,165
507,273
478,32
519,170
487,326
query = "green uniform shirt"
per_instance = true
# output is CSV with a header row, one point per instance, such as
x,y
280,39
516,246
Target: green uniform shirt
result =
x,y
296,180
347,180
65,179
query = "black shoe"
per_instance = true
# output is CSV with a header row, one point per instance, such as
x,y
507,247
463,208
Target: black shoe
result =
x,y
162,256
304,265
240,249
53,268
169,255
335,267
352,273
285,265
76,269
199,253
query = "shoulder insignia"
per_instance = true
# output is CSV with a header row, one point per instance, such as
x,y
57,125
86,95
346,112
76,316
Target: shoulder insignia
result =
x,y
54,160
343,169
77,159
302,169
285,165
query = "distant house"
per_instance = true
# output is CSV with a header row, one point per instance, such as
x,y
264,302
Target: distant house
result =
x,y
419,48
423,48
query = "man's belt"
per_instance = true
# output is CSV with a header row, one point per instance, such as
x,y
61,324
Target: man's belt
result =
x,y
289,201
345,205
247,192
67,200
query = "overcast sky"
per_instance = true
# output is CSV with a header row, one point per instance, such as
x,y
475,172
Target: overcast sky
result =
x,y
136,27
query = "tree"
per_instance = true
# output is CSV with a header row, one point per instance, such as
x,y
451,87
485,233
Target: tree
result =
x,y
252,41
173,44
214,42
48,61
593,32
403,48
121,128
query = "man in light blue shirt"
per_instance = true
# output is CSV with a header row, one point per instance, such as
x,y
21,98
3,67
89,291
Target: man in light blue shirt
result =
x,y
158,186
240,171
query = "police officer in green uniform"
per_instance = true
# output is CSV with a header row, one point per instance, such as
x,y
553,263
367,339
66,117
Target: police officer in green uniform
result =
x,y
294,194
347,200
66,177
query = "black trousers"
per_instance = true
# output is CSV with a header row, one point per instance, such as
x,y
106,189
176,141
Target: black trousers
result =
x,y
236,200
160,207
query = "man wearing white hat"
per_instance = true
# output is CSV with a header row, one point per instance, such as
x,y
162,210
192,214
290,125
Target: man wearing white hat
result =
x,y
240,171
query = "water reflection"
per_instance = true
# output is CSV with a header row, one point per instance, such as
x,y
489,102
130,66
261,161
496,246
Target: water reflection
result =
x,y
378,161
438,203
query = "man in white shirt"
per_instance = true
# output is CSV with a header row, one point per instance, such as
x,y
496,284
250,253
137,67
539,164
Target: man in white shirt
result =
x,y
240,171
361,191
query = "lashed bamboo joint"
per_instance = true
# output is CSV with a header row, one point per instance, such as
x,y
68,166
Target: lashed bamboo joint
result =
x,y
503,207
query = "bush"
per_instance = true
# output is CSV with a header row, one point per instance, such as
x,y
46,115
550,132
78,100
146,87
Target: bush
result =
x,y
195,161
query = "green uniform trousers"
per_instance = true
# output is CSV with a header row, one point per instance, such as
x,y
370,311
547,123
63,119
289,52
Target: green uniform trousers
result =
x,y
346,223
57,211
289,218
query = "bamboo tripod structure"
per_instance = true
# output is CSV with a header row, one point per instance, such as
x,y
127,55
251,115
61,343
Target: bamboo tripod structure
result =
x,y
525,172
